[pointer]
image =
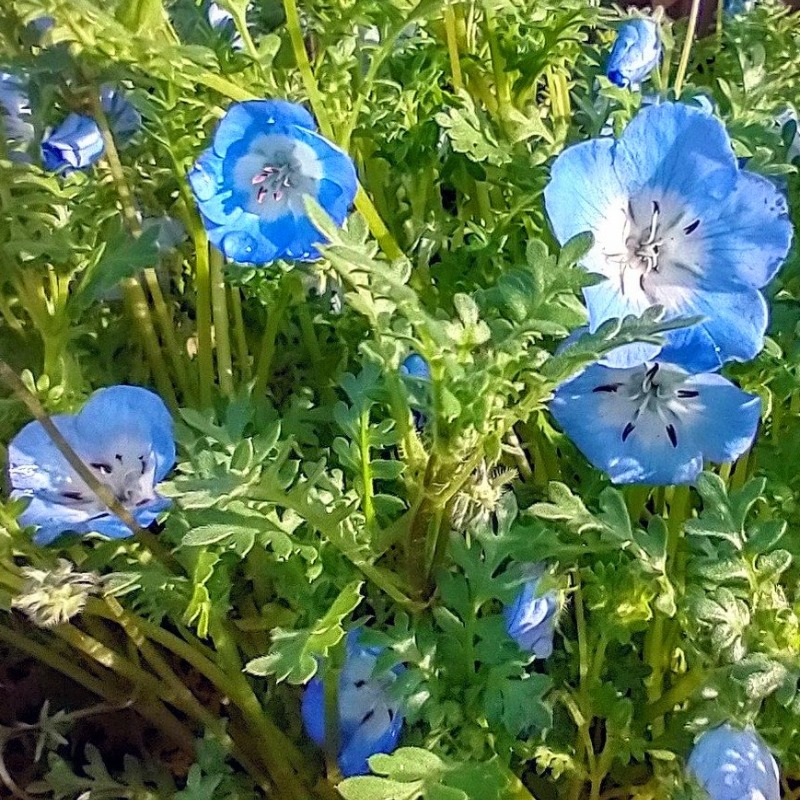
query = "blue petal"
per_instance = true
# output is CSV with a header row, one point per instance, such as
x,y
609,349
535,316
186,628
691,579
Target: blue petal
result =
x,y
127,417
416,366
364,744
734,764
35,463
635,54
247,242
747,234
675,148
733,329
76,144
205,176
728,427
583,190
312,710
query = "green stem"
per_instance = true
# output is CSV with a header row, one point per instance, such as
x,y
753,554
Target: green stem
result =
x,y
205,356
452,47
267,349
366,471
134,226
687,48
679,692
239,334
219,307
240,20
319,105
502,86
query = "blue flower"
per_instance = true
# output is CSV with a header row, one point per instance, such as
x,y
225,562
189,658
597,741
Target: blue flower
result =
x,y
676,223
123,118
15,109
636,53
736,7
655,423
124,434
370,719
733,764
75,144
415,366
531,618
250,185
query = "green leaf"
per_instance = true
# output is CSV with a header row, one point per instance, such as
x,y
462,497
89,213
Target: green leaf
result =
x,y
293,654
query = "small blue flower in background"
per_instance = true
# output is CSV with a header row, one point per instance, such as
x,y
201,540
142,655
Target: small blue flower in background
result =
x,y
676,223
222,21
250,186
123,118
75,144
655,423
415,366
370,719
531,618
124,434
733,764
737,7
636,53
15,110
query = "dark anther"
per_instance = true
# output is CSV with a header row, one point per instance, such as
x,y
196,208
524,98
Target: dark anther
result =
x,y
143,502
691,228
656,207
684,393
628,431
118,456
391,714
72,495
607,387
673,436
359,684
651,373
368,716
102,467
641,281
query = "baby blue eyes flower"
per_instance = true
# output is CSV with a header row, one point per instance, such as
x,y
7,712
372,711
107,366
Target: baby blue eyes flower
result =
x,y
15,110
370,720
222,20
251,184
655,423
124,434
636,53
531,618
733,764
415,366
676,223
75,144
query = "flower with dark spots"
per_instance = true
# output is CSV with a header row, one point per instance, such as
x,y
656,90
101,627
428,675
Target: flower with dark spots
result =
x,y
655,423
251,184
370,718
636,53
734,764
677,224
124,434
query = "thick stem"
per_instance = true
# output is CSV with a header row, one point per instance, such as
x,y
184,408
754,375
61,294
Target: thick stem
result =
x,y
267,350
452,47
221,325
502,86
239,334
202,278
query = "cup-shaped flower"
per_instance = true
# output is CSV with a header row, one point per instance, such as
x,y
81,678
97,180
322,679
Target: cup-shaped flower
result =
x,y
124,435
531,618
75,144
370,719
251,184
635,54
735,764
655,423
676,223
123,117
415,366
15,109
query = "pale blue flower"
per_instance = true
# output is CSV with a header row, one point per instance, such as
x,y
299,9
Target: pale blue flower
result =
x,y
531,618
655,423
415,366
251,185
676,223
124,434
636,53
15,110
75,144
370,719
733,764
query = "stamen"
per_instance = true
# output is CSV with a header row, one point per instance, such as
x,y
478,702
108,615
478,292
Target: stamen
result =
x,y
628,431
277,195
689,229
673,436
118,456
72,496
368,716
358,684
651,373
608,387
260,178
106,469
684,393
262,193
